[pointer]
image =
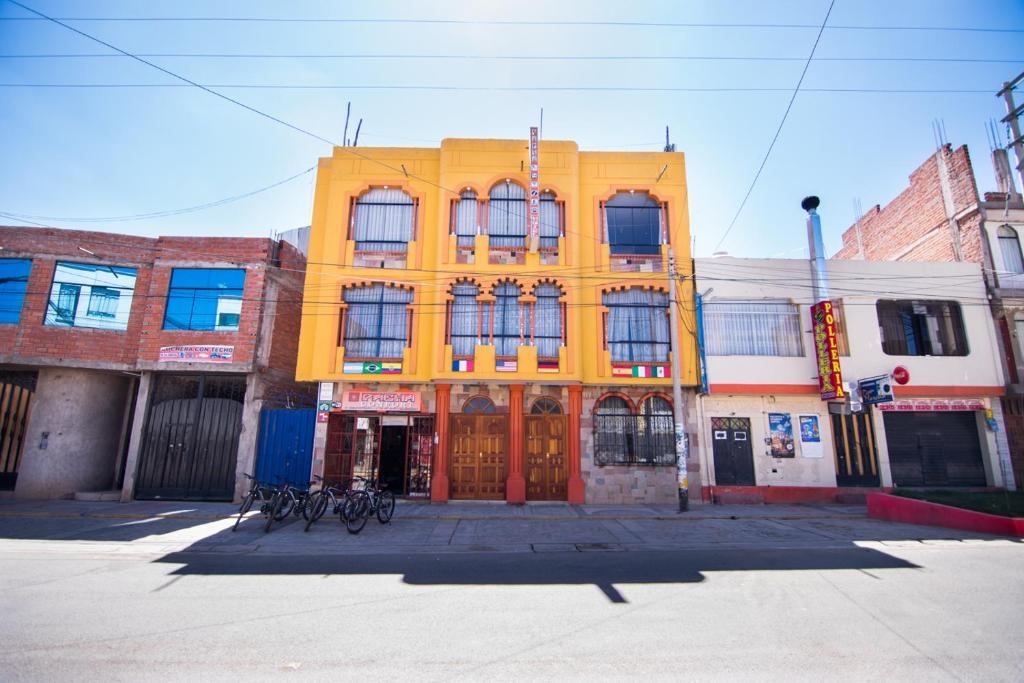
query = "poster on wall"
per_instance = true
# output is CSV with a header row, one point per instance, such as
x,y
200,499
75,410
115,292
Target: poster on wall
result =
x,y
810,436
780,428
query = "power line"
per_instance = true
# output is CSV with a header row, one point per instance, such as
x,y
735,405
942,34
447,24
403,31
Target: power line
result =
x,y
779,130
514,22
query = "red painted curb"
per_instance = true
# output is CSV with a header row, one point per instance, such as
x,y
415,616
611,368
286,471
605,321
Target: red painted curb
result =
x,y
911,511
784,495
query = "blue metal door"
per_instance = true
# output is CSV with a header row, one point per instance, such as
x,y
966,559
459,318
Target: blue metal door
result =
x,y
285,449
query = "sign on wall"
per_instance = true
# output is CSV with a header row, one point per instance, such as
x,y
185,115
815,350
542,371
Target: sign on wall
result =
x,y
780,438
826,345
810,436
196,354
356,399
875,390
933,405
534,203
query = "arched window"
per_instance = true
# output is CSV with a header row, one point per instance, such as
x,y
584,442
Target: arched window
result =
x,y
633,223
464,327
656,439
614,431
511,320
466,218
478,404
506,215
376,321
1009,244
383,220
636,327
548,320
546,406
551,224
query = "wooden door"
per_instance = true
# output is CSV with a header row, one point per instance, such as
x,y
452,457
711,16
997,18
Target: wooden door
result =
x,y
734,458
545,458
856,458
478,456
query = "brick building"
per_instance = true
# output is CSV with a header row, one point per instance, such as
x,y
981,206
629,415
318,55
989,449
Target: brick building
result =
x,y
940,217
140,364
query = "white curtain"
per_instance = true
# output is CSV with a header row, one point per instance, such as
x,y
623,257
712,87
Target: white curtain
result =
x,y
550,221
511,322
466,218
506,215
376,323
465,324
547,320
637,325
747,328
384,220
1009,244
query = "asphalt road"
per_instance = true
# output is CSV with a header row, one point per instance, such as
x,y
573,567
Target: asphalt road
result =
x,y
860,610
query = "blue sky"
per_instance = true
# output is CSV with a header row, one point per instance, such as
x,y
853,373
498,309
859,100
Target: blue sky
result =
x,y
111,152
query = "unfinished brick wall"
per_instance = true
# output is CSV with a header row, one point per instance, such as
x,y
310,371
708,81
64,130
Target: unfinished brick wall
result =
x,y
914,225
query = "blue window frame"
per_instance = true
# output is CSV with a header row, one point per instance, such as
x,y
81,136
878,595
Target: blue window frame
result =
x,y
205,299
13,283
91,295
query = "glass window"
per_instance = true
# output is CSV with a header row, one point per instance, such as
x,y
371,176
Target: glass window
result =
x,y
479,404
633,223
1009,244
506,216
206,299
464,333
547,320
13,283
376,322
90,295
637,325
511,320
546,406
624,438
465,218
384,220
921,328
752,328
551,227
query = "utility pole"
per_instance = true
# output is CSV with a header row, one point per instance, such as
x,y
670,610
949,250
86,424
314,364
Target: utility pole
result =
x,y
682,476
1013,113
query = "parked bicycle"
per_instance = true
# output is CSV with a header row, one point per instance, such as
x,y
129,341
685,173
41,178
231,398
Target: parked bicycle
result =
x,y
335,497
371,499
288,499
258,491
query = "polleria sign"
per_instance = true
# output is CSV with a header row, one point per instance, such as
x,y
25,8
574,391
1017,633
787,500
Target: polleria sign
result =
x,y
826,344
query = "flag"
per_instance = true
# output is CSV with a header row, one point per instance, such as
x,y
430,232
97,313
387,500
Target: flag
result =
x,y
462,366
506,366
547,366
391,368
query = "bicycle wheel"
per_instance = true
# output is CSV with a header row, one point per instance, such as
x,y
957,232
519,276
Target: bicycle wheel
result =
x,y
287,504
246,504
385,506
275,508
316,505
357,512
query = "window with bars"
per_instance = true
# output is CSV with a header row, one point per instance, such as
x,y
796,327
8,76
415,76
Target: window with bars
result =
x,y
376,322
466,218
752,328
921,328
383,220
506,216
622,437
90,295
633,223
636,325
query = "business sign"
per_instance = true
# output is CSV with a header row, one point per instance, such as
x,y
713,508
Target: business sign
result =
x,y
900,374
826,345
875,390
533,208
382,401
196,354
326,392
810,436
933,405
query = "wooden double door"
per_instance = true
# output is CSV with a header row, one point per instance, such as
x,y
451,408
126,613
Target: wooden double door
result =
x,y
545,466
479,456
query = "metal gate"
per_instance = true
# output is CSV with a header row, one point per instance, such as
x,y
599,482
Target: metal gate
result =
x,y
15,397
733,454
285,448
934,449
190,441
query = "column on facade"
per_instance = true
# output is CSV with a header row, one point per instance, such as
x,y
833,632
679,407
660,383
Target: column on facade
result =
x,y
515,486
439,478
576,488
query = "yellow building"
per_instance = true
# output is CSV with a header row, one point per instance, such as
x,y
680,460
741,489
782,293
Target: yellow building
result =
x,y
468,348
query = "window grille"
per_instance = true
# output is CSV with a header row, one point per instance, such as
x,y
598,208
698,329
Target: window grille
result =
x,y
636,328
376,322
506,216
383,220
624,438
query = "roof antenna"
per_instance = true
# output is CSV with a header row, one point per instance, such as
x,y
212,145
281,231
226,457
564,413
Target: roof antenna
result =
x,y
348,110
355,140
669,147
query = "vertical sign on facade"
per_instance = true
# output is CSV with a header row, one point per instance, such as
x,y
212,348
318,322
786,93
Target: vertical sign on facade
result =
x,y
830,375
534,204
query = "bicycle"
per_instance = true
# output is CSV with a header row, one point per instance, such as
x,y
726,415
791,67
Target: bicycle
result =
x,y
288,499
335,497
257,490
371,499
